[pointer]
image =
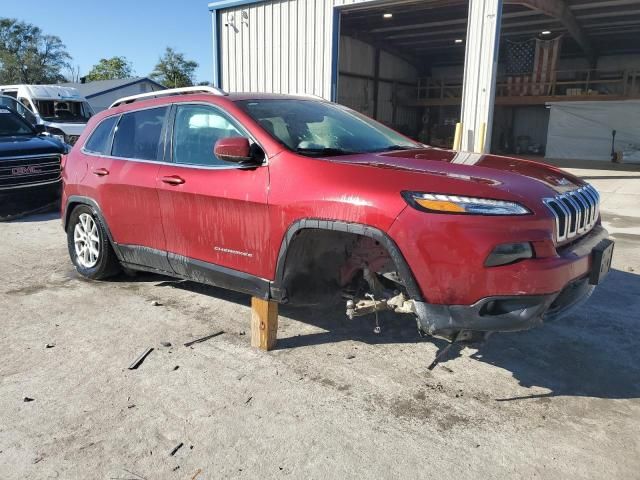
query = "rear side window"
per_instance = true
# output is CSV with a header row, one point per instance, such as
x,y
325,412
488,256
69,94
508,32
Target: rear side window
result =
x,y
138,134
100,140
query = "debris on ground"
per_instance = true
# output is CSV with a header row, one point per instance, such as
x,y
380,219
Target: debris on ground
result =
x,y
351,356
195,475
176,448
138,361
165,344
203,339
50,345
156,303
138,476
248,400
28,399
176,367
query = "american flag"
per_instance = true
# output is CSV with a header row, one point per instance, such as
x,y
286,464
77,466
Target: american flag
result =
x,y
531,66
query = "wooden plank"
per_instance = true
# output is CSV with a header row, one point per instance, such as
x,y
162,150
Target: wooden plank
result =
x,y
264,323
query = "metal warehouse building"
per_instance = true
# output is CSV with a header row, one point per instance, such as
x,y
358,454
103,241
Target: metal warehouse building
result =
x,y
513,73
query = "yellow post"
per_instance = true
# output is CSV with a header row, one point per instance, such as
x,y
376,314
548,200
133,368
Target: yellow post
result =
x,y
457,137
480,139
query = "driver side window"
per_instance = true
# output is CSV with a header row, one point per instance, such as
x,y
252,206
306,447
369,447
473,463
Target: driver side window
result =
x,y
196,130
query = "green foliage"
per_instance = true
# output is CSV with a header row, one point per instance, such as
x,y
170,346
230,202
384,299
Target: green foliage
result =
x,y
110,69
27,55
173,70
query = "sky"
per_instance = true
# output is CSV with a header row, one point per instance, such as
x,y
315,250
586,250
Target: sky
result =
x,y
136,29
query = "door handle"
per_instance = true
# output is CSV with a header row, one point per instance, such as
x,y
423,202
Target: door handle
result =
x,y
173,180
101,172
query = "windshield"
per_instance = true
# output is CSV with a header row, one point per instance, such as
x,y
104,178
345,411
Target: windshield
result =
x,y
64,111
315,128
12,124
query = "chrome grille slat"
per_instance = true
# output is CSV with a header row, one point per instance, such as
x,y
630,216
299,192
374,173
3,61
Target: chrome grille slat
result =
x,y
575,212
17,172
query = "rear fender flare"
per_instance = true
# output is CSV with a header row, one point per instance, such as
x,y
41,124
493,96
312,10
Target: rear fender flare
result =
x,y
75,200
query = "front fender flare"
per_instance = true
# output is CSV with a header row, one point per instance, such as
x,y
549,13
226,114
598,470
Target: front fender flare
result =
x,y
277,291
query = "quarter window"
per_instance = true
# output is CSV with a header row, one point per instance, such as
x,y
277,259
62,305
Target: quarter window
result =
x,y
138,134
196,131
100,139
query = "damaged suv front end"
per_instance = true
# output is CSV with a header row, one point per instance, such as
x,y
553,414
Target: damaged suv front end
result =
x,y
469,243
502,265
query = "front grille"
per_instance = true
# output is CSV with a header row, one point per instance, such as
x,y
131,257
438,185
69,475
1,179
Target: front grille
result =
x,y
575,212
17,172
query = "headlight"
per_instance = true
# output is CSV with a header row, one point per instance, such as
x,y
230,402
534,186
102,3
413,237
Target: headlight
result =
x,y
57,133
439,203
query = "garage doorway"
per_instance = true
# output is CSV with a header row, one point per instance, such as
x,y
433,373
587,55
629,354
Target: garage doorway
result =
x,y
402,62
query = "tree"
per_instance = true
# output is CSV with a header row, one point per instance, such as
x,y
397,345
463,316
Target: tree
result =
x,y
27,55
173,70
109,69
73,73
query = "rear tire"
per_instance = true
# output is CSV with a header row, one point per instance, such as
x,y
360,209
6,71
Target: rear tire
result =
x,y
89,246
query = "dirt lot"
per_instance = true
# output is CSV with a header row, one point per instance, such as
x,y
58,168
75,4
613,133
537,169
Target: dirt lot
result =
x,y
333,401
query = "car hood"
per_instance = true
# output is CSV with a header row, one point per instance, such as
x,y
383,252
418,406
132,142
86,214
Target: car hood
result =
x,y
503,173
29,145
67,127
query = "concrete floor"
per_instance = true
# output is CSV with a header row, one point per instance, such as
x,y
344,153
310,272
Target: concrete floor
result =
x,y
334,401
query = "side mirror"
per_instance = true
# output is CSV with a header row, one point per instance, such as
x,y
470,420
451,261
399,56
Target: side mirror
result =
x,y
233,149
39,128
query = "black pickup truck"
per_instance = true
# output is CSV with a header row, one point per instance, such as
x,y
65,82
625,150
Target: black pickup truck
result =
x,y
30,169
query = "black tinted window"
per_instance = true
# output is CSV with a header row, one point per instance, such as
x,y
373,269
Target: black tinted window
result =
x,y
12,124
197,129
138,134
100,139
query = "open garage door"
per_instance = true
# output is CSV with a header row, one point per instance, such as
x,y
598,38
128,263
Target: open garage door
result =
x,y
388,50
402,62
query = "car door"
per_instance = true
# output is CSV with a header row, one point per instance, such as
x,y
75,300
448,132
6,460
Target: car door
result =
x,y
125,186
214,212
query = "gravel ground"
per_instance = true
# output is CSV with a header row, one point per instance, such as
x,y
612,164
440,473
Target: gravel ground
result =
x,y
333,401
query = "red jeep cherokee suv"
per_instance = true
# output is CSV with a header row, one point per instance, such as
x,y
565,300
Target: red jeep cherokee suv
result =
x,y
304,201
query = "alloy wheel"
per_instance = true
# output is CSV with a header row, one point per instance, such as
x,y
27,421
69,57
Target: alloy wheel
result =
x,y
86,241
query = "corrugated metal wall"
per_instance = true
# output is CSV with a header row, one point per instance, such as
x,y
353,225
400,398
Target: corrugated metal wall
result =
x,y
357,60
286,46
279,46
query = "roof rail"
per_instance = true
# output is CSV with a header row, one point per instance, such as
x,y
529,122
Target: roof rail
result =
x,y
168,92
308,95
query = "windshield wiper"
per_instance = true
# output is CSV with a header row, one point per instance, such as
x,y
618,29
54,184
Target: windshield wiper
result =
x,y
391,148
324,151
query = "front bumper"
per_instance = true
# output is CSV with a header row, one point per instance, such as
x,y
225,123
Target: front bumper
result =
x,y
503,313
29,197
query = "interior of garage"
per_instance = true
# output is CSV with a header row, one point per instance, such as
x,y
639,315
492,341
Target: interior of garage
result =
x,y
401,62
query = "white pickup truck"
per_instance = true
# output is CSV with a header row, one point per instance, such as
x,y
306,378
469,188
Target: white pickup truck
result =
x,y
62,110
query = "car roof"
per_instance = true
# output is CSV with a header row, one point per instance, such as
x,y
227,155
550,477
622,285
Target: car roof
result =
x,y
200,97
